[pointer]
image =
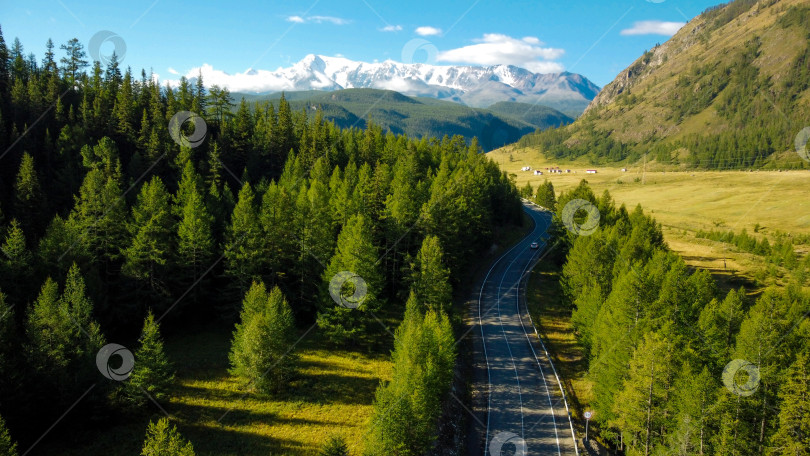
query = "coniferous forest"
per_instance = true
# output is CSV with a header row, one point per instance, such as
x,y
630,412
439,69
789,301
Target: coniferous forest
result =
x,y
119,224
679,367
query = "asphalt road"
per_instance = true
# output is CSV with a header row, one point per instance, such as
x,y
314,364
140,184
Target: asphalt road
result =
x,y
525,405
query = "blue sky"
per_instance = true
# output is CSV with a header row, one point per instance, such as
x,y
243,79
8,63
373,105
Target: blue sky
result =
x,y
594,38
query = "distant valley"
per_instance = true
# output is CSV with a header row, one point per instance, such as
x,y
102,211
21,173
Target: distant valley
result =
x,y
502,123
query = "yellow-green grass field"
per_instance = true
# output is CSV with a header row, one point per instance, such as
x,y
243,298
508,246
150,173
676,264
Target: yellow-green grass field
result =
x,y
333,395
685,201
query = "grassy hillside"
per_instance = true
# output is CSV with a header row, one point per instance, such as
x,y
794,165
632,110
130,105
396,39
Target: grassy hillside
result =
x,y
730,90
502,124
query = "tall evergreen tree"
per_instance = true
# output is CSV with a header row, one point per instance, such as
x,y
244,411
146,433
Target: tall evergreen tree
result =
x,y
261,350
243,248
355,261
792,437
28,197
74,60
151,229
64,339
153,372
431,277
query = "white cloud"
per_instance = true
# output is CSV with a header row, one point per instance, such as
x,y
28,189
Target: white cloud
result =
x,y
173,71
318,20
391,28
495,49
653,28
426,30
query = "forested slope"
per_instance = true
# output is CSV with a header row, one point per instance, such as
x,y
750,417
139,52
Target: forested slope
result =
x,y
678,367
729,90
113,225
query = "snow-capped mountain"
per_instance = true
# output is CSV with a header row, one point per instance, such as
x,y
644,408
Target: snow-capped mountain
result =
x,y
470,85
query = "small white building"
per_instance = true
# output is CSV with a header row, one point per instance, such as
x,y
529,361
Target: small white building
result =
x,y
526,168
590,171
538,173
624,170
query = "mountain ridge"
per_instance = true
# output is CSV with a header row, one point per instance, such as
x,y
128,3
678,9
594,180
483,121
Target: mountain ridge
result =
x,y
729,90
474,86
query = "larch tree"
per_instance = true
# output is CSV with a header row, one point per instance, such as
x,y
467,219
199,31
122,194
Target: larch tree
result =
x,y
642,398
792,437
147,258
163,439
262,346
353,264
243,248
431,277
64,339
153,372
28,197
7,446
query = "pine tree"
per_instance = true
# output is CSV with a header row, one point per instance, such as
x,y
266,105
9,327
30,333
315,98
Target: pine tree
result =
x,y
261,350
7,446
74,61
163,439
431,277
355,260
153,372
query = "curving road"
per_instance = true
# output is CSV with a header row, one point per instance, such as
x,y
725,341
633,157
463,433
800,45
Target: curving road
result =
x,y
525,405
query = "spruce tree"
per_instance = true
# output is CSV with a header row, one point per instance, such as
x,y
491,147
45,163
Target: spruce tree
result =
x,y
163,439
153,373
